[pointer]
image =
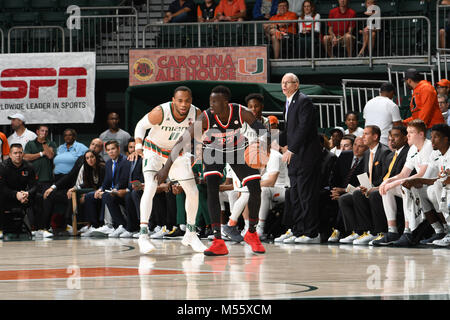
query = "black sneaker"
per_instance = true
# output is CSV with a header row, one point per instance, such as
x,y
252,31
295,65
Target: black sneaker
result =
x,y
436,236
387,240
406,240
178,233
232,233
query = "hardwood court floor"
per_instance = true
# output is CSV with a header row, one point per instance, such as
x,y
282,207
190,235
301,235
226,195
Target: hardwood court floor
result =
x,y
113,269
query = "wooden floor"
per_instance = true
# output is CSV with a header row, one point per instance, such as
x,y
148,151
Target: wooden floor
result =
x,y
113,269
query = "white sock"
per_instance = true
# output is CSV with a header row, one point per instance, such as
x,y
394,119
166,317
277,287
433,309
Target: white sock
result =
x,y
407,230
393,229
183,227
437,226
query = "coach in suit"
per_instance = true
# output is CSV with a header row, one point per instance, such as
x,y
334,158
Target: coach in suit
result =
x,y
369,210
113,190
375,165
303,155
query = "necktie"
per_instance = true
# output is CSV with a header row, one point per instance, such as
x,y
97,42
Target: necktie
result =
x,y
391,165
351,171
370,167
114,163
287,109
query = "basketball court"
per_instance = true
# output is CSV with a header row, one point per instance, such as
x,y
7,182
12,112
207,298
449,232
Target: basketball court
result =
x,y
113,269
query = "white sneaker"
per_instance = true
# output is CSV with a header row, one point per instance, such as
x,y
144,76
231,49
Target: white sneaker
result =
x,y
243,232
88,232
116,233
284,236
145,246
157,229
126,234
306,239
191,239
46,234
136,235
350,238
69,229
290,239
364,239
1,234
102,231
160,234
444,242
84,229
334,236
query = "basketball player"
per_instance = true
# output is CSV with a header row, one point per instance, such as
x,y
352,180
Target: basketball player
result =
x,y
167,122
220,130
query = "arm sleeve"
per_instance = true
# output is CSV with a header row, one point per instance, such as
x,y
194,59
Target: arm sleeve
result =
x,y
306,123
141,127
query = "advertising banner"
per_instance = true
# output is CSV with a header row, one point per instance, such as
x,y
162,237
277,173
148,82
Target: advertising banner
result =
x,y
241,64
48,87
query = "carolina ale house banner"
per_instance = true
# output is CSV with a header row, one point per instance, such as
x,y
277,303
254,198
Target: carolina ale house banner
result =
x,y
243,64
48,87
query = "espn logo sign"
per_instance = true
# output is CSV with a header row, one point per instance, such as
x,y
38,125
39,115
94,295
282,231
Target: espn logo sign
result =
x,y
28,81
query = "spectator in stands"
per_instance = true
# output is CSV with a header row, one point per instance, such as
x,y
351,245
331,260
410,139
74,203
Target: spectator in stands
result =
x,y
277,32
443,106
206,11
416,159
296,6
40,153
347,142
264,9
382,112
4,147
67,153
373,25
130,146
424,104
375,162
90,176
180,11
444,34
443,87
56,195
114,133
351,121
17,182
340,32
21,134
134,194
347,167
231,10
305,28
273,122
336,135
111,194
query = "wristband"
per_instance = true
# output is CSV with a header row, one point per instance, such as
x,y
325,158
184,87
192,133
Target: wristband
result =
x,y
138,146
41,154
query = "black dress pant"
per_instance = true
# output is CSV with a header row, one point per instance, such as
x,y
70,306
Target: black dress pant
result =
x,y
305,200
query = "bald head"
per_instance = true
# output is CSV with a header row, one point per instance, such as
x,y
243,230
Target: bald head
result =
x,y
96,145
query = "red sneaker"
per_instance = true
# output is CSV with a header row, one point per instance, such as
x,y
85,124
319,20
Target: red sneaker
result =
x,y
218,248
253,240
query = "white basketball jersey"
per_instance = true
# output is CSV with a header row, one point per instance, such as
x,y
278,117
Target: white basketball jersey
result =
x,y
162,138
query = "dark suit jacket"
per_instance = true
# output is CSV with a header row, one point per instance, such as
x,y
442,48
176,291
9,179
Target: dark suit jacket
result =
x,y
327,165
300,134
399,162
135,172
342,168
380,164
121,174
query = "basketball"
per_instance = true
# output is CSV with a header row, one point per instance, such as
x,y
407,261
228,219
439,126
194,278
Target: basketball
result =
x,y
255,157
